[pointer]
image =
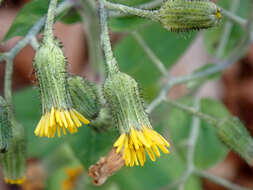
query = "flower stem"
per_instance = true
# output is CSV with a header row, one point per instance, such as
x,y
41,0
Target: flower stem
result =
x,y
48,33
111,62
131,10
8,83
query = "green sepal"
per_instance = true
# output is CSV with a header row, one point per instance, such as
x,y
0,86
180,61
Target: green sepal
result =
x,y
124,100
233,133
186,15
5,127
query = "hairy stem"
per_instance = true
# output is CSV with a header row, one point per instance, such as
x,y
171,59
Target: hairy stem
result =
x,y
48,33
131,10
105,39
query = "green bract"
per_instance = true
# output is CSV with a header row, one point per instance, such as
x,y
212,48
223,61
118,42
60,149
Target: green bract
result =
x,y
122,95
185,15
233,133
5,127
50,65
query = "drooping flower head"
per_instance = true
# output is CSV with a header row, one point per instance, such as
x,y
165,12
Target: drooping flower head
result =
x,y
58,112
13,162
137,136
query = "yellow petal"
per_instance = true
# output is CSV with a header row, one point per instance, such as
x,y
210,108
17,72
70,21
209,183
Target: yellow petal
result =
x,y
80,117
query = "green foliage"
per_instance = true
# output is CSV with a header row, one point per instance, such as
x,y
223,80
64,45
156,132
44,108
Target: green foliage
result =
x,y
21,24
133,60
88,145
209,149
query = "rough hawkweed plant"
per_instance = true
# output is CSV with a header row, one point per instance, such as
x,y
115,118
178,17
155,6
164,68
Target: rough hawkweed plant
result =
x,y
137,136
58,113
13,162
185,15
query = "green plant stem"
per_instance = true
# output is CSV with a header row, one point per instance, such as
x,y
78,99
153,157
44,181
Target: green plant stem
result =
x,y
33,32
227,30
234,18
157,62
148,5
91,25
219,180
48,32
111,62
194,112
34,43
133,11
8,83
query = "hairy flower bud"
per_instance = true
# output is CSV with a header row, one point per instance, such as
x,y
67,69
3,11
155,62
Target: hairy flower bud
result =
x,y
84,95
5,127
185,15
50,65
13,162
122,95
233,133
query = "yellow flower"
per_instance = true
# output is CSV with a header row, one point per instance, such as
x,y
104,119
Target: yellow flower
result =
x,y
134,144
14,182
73,174
61,120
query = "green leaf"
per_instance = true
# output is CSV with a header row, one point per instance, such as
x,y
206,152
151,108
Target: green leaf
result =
x,y
28,112
30,14
89,145
133,60
209,149
71,17
26,18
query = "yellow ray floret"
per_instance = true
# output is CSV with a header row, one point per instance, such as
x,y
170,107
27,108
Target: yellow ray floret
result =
x,y
134,144
72,176
14,181
59,120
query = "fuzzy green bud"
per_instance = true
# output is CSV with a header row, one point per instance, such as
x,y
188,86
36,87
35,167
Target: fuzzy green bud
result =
x,y
84,95
5,127
122,95
185,15
233,133
14,161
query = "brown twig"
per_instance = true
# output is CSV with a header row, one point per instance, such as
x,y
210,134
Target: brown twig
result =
x,y
105,167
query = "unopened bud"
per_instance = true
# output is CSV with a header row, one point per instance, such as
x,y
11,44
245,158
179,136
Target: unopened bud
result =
x,y
186,15
84,96
5,127
233,133
13,162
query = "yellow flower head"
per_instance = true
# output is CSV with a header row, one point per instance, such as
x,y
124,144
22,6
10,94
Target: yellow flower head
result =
x,y
14,182
137,136
72,176
58,113
133,145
